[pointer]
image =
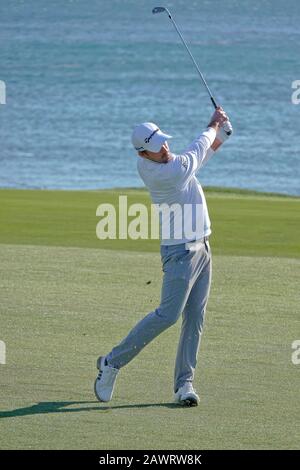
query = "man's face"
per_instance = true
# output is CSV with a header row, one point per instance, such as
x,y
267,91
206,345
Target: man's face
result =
x,y
163,156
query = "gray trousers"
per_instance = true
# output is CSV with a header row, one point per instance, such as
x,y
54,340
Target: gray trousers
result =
x,y
185,290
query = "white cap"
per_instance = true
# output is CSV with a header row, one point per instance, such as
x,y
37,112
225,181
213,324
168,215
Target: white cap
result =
x,y
148,136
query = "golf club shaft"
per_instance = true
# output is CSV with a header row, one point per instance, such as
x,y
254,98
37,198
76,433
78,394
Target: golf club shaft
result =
x,y
194,62
162,9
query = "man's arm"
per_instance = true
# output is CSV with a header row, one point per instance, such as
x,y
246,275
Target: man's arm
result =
x,y
184,166
222,135
197,151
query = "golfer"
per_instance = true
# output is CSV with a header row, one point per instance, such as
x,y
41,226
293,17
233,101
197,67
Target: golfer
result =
x,y
185,253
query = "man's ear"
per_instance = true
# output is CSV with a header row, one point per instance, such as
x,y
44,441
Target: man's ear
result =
x,y
143,154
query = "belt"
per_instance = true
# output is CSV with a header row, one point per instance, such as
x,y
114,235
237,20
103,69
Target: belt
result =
x,y
196,244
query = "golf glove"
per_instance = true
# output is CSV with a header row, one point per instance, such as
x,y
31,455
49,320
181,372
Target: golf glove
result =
x,y
223,134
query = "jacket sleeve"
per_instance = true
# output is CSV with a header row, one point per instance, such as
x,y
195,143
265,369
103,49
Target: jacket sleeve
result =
x,y
183,167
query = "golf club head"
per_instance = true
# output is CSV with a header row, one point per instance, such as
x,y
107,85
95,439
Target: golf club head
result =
x,y
158,10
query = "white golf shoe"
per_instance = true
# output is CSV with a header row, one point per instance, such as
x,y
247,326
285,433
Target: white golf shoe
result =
x,y
105,381
186,395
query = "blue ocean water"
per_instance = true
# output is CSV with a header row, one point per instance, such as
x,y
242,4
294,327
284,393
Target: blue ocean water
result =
x,y
80,75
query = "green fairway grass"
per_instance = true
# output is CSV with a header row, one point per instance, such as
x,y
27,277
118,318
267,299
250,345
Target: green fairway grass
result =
x,y
67,297
243,223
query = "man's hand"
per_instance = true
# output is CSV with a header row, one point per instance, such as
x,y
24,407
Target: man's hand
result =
x,y
223,133
218,119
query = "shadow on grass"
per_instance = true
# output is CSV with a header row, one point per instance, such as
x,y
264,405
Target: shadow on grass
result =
x,y
60,407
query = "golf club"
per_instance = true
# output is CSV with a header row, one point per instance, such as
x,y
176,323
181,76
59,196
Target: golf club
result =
x,y
162,9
